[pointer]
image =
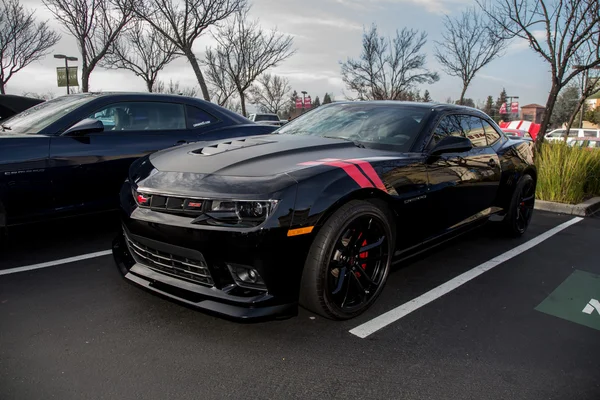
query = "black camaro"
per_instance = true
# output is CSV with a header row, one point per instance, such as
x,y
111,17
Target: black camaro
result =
x,y
71,155
314,212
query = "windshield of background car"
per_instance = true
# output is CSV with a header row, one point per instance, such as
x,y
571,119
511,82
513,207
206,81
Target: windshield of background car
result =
x,y
38,117
266,117
385,124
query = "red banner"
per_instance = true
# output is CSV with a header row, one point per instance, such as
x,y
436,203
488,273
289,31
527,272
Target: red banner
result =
x,y
307,102
298,102
502,109
514,107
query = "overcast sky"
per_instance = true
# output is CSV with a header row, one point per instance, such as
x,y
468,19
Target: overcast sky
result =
x,y
325,33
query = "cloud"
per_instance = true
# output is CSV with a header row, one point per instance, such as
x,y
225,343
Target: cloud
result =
x,y
523,44
432,6
333,22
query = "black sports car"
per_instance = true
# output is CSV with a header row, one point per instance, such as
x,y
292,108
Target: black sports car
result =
x,y
314,212
11,104
71,155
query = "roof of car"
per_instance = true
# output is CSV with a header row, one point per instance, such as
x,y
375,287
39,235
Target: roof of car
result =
x,y
434,105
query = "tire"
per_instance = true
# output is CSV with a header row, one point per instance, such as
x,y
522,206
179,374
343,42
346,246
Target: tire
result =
x,y
520,208
335,269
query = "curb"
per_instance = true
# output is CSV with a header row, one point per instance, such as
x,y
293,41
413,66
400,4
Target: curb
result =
x,y
585,209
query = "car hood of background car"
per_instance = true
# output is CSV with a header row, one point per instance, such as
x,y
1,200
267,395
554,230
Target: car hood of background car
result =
x,y
258,156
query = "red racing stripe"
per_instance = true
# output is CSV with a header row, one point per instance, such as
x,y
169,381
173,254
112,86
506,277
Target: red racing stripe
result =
x,y
353,172
370,172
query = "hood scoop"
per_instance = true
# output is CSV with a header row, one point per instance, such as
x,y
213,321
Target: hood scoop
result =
x,y
229,146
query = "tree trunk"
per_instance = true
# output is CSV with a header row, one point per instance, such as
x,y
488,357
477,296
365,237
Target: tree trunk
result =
x,y
579,107
2,88
85,79
149,85
462,94
547,114
196,67
243,102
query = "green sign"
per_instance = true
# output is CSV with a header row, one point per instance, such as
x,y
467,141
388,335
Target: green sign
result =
x,y
61,76
577,299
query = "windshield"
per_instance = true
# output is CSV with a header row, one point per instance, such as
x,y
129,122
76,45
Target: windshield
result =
x,y
366,123
266,117
38,117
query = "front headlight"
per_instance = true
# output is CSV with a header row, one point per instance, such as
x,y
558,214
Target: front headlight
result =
x,y
241,211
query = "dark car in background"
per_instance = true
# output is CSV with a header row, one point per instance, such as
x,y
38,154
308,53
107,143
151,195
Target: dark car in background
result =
x,y
315,212
70,155
11,104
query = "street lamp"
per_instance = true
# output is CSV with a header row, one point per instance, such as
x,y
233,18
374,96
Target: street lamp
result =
x,y
586,77
303,98
67,59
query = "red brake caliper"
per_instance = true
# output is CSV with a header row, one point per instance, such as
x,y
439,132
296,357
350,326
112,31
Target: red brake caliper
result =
x,y
364,254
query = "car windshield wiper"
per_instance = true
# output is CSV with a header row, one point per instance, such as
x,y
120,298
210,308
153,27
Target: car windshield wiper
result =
x,y
356,143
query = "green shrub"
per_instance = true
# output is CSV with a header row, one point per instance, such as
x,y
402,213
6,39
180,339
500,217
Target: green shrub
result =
x,y
567,174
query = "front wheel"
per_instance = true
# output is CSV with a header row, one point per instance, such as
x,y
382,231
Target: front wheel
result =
x,y
521,207
349,261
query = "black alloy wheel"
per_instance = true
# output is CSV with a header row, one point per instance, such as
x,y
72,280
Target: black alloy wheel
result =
x,y
521,208
349,261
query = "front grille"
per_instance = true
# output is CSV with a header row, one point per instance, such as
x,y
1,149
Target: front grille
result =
x,y
182,267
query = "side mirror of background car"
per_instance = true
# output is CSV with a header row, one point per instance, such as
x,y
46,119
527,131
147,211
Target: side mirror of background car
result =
x,y
85,126
452,144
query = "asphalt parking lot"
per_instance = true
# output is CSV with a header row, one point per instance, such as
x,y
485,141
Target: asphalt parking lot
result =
x,y
521,327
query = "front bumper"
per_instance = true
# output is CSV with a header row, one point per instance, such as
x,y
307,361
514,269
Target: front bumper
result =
x,y
278,259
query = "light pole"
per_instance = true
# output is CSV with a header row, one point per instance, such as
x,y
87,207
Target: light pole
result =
x,y
584,88
67,59
303,98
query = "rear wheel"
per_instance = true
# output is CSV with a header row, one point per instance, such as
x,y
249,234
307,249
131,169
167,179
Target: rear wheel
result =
x,y
521,207
349,261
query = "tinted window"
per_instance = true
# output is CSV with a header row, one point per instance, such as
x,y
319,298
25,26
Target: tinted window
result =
x,y
368,124
491,134
266,117
448,126
40,116
197,117
141,116
473,130
590,133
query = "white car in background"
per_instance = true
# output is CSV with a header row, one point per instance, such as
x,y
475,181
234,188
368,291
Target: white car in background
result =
x,y
559,134
267,119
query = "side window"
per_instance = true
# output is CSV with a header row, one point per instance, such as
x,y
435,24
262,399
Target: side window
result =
x,y
491,134
448,126
141,116
473,129
197,117
590,133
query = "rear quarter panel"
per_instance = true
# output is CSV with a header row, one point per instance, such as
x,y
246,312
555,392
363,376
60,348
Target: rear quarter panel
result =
x,y
516,158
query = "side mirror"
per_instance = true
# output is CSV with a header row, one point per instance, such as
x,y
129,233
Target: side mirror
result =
x,y
452,144
85,126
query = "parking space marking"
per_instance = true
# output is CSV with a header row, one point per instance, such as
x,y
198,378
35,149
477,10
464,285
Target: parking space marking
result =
x,y
372,326
56,262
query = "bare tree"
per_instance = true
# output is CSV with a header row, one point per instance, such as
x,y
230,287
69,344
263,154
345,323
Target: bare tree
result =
x,y
22,39
244,51
588,86
174,88
95,24
221,87
469,44
555,29
182,22
388,69
42,96
271,93
142,50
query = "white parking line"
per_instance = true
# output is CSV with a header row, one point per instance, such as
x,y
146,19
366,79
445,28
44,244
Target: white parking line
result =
x,y
56,262
372,326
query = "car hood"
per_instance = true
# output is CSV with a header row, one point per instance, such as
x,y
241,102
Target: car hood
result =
x,y
258,156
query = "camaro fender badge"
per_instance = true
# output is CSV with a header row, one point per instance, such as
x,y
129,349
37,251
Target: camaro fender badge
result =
x,y
362,172
415,199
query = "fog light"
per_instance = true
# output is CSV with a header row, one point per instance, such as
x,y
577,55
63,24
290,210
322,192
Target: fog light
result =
x,y
246,276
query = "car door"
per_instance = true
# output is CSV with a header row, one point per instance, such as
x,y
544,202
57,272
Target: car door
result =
x,y
462,185
91,168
